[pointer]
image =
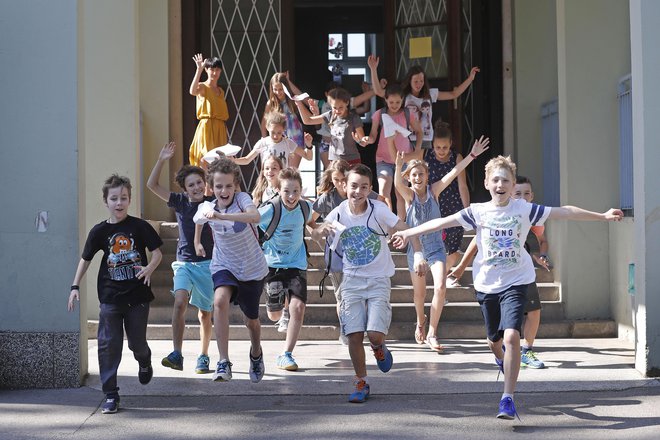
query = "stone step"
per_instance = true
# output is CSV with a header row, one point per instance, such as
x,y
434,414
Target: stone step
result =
x,y
398,331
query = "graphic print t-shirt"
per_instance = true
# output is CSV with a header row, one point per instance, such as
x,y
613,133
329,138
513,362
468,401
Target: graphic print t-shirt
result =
x,y
502,260
266,148
124,247
342,144
366,253
423,109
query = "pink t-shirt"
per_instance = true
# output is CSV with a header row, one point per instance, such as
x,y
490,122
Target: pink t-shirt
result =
x,y
401,143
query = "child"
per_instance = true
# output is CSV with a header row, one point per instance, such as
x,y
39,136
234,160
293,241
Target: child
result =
x,y
286,256
503,269
212,110
367,268
523,189
280,103
276,144
422,202
442,159
332,191
389,146
267,184
192,278
418,96
344,124
238,266
123,286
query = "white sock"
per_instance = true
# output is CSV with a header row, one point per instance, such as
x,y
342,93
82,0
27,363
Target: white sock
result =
x,y
505,395
365,378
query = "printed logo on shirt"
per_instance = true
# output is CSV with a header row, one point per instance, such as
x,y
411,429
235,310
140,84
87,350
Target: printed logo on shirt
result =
x,y
122,257
360,245
502,241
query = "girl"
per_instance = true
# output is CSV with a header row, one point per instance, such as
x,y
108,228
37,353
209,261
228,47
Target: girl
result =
x,y
279,102
421,199
418,96
277,144
267,183
389,146
442,159
212,110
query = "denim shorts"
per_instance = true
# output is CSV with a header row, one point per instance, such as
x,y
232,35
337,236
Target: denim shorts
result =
x,y
385,169
503,310
194,278
365,305
324,147
245,294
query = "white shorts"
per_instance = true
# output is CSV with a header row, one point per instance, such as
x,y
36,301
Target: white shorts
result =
x,y
365,304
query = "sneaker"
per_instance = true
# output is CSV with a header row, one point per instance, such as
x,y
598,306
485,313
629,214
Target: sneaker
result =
x,y
283,323
173,360
110,405
257,368
202,364
286,362
145,374
507,409
383,358
529,359
222,371
361,393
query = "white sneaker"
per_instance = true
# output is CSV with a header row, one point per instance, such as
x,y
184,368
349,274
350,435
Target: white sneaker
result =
x,y
283,323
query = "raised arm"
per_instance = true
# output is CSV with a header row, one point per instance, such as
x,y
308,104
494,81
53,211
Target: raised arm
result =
x,y
458,91
194,86
83,265
373,61
292,87
399,183
166,154
480,145
574,213
307,117
308,151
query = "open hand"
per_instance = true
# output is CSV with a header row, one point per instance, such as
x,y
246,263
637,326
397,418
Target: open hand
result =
x,y
199,61
74,296
480,145
167,152
144,273
373,61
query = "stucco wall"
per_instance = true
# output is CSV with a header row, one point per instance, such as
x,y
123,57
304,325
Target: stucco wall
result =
x,y
621,255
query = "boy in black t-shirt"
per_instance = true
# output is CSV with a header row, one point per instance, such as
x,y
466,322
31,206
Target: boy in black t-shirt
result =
x,y
123,286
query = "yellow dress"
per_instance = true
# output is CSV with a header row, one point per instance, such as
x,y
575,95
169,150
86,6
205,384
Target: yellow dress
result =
x,y
211,131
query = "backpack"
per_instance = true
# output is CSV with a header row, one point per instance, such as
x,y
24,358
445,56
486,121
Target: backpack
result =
x,y
276,201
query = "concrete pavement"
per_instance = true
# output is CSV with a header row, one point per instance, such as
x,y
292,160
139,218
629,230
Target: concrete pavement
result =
x,y
589,389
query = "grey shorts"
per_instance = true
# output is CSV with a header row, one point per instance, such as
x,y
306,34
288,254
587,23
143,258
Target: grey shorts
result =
x,y
365,305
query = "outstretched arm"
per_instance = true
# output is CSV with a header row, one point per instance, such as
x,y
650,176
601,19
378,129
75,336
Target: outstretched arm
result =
x,y
420,264
194,86
400,239
245,159
480,145
458,91
306,115
166,154
250,215
574,213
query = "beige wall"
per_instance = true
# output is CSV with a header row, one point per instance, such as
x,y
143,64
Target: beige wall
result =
x,y
535,81
622,237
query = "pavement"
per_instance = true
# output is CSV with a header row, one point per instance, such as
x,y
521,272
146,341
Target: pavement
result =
x,y
589,389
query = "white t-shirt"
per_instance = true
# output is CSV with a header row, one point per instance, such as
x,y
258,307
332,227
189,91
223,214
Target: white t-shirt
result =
x,y
364,246
502,260
422,108
266,148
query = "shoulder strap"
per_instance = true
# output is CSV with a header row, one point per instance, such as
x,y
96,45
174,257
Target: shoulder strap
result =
x,y
406,113
304,207
275,220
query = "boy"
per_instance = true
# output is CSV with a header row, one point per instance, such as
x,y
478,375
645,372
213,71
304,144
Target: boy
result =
x,y
123,286
523,189
503,270
238,266
192,277
286,256
367,267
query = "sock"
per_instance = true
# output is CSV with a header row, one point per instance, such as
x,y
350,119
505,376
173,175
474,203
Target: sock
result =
x,y
505,395
365,379
376,347
526,348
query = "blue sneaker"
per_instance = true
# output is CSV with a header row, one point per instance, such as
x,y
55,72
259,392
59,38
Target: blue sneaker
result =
x,y
110,405
507,409
202,364
286,362
222,371
173,360
361,393
383,357
257,368
528,359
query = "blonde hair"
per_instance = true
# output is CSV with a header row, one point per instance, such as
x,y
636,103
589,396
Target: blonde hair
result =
x,y
275,118
325,181
504,162
414,164
262,183
273,104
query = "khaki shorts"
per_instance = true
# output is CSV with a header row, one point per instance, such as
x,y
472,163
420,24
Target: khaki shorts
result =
x,y
365,305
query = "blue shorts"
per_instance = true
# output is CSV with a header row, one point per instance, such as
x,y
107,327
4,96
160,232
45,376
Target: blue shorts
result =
x,y
503,310
385,169
324,147
533,299
245,294
194,278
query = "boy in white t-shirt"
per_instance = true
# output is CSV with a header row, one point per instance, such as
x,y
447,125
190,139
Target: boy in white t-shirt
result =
x,y
503,269
367,269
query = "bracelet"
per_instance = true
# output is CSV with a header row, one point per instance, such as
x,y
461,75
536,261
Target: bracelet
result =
x,y
75,287
472,155
544,256
309,148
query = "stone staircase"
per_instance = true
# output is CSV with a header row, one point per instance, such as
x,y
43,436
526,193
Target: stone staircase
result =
x,y
461,317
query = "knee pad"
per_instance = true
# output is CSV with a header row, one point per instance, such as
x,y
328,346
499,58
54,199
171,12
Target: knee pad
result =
x,y
275,296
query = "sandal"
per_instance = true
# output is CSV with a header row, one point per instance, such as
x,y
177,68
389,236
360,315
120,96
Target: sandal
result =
x,y
420,332
434,344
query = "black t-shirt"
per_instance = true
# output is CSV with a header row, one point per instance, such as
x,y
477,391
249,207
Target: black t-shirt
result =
x,y
185,211
123,245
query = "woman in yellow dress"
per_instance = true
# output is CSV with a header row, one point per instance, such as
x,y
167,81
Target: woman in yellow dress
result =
x,y
212,109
